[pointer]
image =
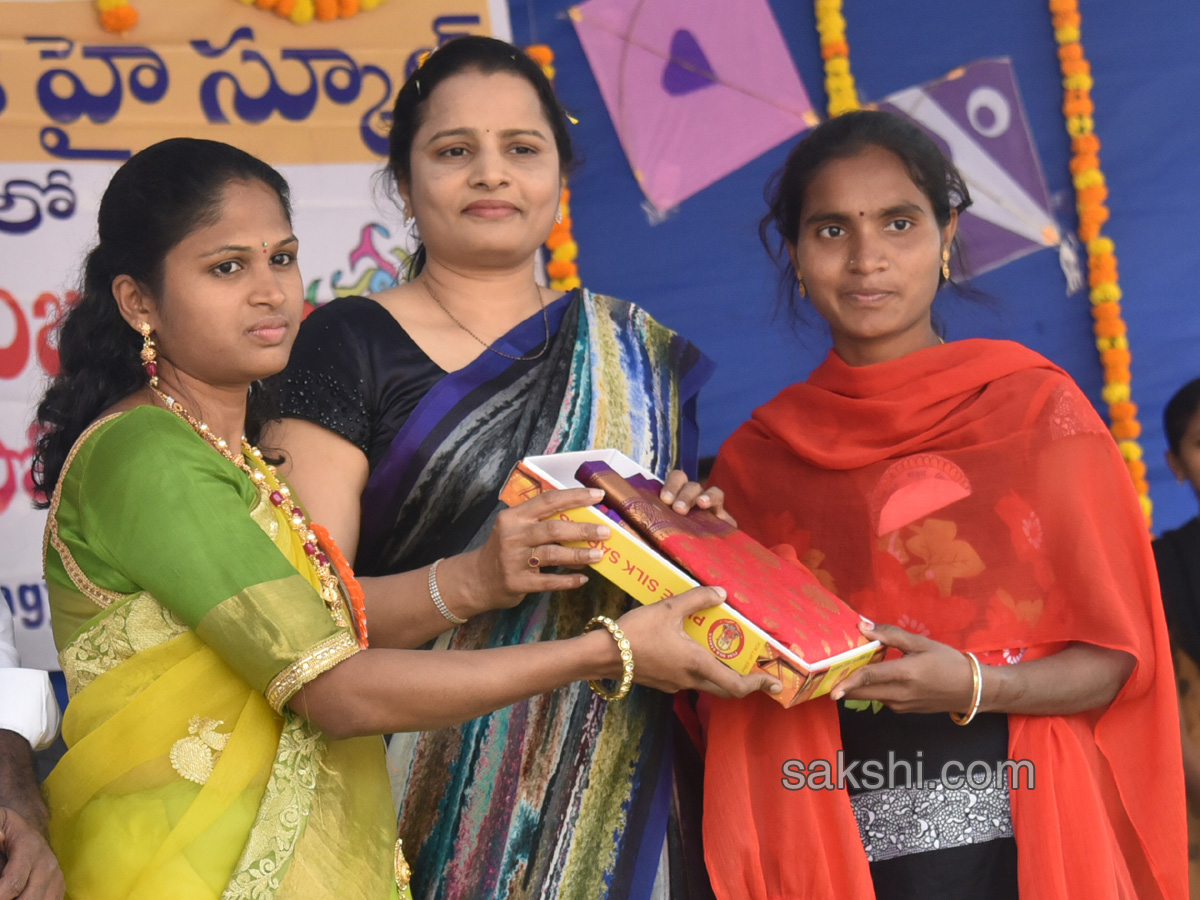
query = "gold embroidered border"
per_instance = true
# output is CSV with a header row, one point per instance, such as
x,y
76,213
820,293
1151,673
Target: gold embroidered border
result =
x,y
137,625
282,814
321,658
98,595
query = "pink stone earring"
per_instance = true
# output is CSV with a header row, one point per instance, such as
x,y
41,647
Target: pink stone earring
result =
x,y
149,355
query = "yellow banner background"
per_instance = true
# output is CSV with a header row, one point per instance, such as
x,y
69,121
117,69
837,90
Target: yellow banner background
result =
x,y
72,91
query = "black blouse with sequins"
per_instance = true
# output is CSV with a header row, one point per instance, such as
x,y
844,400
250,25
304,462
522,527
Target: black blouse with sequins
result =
x,y
355,371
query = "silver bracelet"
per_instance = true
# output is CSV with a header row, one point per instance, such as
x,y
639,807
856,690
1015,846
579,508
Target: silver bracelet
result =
x,y
436,596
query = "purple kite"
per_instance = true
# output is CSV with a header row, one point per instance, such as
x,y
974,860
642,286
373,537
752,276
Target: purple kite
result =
x,y
976,116
695,90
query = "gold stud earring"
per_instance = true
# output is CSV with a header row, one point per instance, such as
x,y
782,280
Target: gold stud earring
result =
x,y
946,263
800,281
149,355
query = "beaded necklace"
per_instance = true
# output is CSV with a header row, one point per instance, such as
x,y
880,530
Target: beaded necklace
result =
x,y
265,478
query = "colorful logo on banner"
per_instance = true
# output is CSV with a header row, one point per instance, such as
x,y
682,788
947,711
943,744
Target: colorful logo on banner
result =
x,y
976,116
695,91
370,269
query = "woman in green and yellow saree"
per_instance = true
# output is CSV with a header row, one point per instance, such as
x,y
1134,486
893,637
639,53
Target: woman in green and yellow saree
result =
x,y
225,718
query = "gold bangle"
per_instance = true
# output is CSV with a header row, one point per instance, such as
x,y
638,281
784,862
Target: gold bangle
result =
x,y
976,693
626,659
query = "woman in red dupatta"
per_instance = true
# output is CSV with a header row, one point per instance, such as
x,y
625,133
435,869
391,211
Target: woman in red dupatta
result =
x,y
968,496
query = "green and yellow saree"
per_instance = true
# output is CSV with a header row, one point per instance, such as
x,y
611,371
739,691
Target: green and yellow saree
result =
x,y
186,618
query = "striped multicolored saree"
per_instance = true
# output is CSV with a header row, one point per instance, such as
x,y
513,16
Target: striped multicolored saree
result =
x,y
562,796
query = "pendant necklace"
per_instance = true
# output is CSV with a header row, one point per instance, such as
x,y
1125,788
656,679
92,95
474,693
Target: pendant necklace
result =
x,y
454,319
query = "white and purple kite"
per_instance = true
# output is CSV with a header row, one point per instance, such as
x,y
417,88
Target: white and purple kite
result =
x,y
975,114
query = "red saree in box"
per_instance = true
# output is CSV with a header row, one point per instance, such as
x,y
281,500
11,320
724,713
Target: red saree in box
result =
x,y
968,492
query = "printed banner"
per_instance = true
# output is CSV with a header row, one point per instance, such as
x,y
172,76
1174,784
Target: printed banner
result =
x,y
75,101
219,69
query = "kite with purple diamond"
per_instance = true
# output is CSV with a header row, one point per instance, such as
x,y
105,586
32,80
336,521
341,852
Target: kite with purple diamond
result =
x,y
695,90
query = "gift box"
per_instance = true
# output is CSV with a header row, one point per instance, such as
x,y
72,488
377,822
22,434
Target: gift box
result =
x,y
778,618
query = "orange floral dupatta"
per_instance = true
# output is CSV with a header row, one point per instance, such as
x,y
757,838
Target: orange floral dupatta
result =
x,y
968,492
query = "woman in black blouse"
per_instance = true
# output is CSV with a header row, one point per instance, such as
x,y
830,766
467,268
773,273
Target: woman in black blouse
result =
x,y
404,413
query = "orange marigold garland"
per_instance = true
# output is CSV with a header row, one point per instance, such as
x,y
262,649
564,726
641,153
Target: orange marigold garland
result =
x,y
354,591
561,267
116,16
1091,192
301,12
840,91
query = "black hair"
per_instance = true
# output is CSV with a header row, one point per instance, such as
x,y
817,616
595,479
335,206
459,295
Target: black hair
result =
x,y
1179,412
155,200
472,53
843,137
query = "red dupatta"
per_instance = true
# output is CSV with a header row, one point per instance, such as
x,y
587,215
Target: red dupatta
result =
x,y
971,493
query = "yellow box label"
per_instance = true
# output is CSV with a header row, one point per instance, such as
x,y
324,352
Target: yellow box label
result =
x,y
634,568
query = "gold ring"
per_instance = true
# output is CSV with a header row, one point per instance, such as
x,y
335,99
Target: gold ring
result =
x,y
534,562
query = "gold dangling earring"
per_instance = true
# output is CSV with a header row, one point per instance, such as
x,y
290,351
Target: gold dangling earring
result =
x,y
946,263
149,355
800,281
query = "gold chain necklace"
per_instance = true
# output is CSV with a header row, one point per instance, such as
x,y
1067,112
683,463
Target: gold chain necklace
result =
x,y
545,319
266,479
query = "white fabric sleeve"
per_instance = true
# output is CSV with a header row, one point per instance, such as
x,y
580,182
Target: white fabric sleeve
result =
x,y
27,702
8,642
